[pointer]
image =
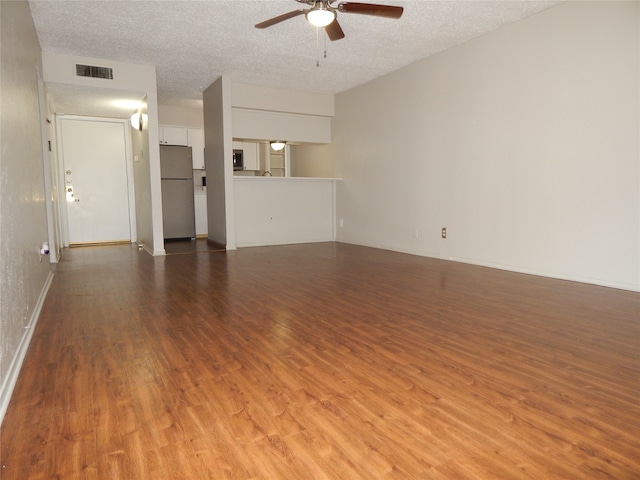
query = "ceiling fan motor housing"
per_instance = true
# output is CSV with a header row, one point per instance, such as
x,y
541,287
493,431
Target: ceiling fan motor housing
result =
x,y
321,14
324,15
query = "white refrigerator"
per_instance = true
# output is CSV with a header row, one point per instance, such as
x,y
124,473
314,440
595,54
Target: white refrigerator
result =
x,y
176,172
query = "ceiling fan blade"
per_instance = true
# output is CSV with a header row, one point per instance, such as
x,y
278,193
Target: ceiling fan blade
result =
x,y
387,11
334,31
280,18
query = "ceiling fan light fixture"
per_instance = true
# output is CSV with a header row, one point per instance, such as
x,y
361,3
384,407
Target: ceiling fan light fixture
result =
x,y
320,15
277,145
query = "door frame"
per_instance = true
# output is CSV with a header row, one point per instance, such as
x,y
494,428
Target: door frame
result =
x,y
50,180
64,218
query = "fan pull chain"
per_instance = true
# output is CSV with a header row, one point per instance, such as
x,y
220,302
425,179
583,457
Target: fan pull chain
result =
x,y
317,47
325,45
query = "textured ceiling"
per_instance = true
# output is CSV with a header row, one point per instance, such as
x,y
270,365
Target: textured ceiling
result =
x,y
192,43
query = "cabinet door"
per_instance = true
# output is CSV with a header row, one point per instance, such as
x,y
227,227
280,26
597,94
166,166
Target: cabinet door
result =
x,y
251,158
250,155
195,139
173,135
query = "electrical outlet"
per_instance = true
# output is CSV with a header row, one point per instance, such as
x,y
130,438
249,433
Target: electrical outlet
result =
x,y
341,222
444,232
416,233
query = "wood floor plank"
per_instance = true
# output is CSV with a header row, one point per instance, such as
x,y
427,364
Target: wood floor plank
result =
x,y
322,361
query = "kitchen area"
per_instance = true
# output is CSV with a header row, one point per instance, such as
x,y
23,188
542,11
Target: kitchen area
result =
x,y
255,183
182,160
267,159
184,209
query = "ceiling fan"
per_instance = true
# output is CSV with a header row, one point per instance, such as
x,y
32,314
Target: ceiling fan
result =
x,y
323,14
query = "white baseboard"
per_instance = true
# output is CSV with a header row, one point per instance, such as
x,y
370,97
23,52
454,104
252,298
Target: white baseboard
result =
x,y
150,251
499,266
21,352
273,243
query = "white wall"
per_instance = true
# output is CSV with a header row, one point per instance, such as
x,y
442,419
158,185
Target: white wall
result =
x,y
267,113
288,105
523,143
271,99
289,127
277,211
23,222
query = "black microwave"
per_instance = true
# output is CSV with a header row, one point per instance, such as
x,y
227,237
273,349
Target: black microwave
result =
x,y
238,160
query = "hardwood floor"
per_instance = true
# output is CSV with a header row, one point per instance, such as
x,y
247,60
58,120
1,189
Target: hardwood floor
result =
x,y
323,361
182,246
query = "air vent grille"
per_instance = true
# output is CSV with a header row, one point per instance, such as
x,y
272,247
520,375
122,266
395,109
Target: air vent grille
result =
x,y
93,71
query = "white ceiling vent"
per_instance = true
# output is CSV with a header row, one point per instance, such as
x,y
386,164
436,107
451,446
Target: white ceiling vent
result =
x,y
93,71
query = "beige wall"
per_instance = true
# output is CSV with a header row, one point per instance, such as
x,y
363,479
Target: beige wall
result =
x,y
183,116
142,176
58,68
218,149
23,222
523,143
314,161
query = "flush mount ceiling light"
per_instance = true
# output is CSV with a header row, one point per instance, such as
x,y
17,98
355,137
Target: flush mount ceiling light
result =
x,y
277,146
320,15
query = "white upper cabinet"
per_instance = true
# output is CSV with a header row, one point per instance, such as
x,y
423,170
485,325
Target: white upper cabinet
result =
x,y
170,135
195,140
251,158
250,155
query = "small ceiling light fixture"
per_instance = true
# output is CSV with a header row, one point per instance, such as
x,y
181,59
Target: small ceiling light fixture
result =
x,y
277,145
321,14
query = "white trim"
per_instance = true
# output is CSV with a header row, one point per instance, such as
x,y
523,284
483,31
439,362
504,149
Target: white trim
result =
x,y
555,275
21,352
47,170
64,218
128,149
64,221
275,243
150,251
497,266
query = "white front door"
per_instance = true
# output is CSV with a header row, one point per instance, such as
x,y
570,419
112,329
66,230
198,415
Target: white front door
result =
x,y
95,179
